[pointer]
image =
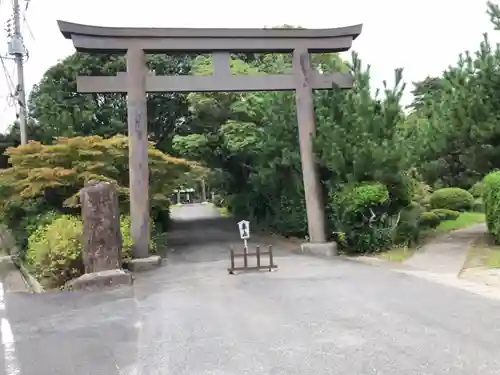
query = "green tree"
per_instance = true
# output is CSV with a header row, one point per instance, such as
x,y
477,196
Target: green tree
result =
x,y
253,137
458,134
59,111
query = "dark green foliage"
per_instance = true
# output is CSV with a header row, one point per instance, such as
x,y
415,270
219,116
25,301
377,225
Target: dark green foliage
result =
x,y
453,199
455,120
409,231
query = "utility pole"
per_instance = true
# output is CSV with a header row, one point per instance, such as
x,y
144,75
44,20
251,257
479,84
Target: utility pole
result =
x,y
16,48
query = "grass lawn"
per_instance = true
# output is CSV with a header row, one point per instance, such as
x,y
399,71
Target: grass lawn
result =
x,y
465,219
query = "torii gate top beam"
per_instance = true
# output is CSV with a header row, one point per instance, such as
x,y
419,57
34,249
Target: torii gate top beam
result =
x,y
157,40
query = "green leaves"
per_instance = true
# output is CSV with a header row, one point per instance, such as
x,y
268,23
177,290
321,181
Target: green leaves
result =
x,y
455,119
58,110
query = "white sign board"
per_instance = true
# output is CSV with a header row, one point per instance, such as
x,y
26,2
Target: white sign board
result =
x,y
244,227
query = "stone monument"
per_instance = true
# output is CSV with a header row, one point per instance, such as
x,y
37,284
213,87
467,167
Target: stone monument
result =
x,y
102,239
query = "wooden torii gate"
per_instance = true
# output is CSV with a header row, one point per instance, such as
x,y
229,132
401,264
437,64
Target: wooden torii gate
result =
x,y
137,81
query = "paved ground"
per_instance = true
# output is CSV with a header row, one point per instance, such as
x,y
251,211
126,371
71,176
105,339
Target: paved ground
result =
x,y
312,316
446,254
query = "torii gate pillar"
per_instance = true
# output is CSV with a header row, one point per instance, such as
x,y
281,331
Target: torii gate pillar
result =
x,y
138,152
306,118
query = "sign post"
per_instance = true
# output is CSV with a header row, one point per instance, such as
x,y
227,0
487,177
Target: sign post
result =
x,y
244,227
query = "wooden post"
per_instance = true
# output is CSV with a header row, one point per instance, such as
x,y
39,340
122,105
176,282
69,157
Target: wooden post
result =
x,y
232,257
258,256
307,129
138,152
271,260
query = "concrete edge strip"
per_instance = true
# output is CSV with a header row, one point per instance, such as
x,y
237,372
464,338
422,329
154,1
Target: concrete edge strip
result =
x,y
30,280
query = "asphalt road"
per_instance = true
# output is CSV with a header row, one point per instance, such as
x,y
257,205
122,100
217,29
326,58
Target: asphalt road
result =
x,y
312,316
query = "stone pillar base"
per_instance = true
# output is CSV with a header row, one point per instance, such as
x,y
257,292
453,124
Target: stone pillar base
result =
x,y
101,279
144,264
326,249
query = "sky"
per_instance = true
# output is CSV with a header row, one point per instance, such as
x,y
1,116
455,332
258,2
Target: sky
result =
x,y
423,36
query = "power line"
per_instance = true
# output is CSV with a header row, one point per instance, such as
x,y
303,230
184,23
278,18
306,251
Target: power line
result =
x,y
10,98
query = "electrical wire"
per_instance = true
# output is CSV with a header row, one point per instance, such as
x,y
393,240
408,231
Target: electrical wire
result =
x,y
25,19
11,98
27,26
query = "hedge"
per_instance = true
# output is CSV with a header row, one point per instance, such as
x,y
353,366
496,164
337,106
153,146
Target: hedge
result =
x,y
452,199
491,200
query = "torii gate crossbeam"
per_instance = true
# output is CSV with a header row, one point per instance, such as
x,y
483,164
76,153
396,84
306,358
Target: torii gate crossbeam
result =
x,y
137,81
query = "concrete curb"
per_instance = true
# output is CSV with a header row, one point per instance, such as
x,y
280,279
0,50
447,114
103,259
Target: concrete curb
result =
x,y
100,280
323,250
32,283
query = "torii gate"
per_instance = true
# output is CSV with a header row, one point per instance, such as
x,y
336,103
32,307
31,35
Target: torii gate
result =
x,y
137,81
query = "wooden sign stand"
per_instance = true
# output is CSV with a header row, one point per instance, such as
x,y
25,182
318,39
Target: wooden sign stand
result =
x,y
245,254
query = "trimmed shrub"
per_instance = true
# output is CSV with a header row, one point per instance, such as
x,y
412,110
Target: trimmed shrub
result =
x,y
491,199
445,214
359,216
477,189
429,220
478,205
452,199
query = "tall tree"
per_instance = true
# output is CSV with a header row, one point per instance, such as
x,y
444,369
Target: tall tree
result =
x,y
460,142
58,110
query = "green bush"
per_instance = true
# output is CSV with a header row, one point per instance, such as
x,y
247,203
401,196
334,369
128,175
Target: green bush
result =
x,y
477,189
478,205
408,231
54,253
359,216
429,220
445,214
453,199
491,199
